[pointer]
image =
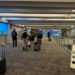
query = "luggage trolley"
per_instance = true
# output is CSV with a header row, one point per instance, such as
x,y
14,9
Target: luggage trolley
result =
x,y
2,61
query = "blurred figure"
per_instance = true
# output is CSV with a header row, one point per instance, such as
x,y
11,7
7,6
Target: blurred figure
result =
x,y
39,38
29,41
48,35
35,38
25,40
32,36
14,37
32,39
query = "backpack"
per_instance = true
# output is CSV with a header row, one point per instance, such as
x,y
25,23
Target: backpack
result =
x,y
24,35
39,36
13,34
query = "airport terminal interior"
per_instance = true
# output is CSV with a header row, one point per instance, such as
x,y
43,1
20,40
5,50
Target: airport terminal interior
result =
x,y
51,55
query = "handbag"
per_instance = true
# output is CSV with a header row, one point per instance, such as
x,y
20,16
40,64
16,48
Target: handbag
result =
x,y
35,40
29,43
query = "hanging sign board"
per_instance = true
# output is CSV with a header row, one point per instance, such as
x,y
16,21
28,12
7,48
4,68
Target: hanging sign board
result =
x,y
3,29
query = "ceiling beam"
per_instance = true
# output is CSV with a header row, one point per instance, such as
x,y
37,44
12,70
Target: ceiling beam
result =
x,y
36,11
33,5
42,22
43,0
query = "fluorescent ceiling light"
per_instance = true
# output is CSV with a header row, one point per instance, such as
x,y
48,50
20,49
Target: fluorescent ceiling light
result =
x,y
73,10
34,15
39,19
34,25
69,19
31,19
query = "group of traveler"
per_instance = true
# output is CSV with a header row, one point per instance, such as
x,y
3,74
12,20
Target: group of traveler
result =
x,y
27,38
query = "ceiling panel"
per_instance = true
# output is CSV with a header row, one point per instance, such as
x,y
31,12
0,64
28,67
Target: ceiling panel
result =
x,y
38,12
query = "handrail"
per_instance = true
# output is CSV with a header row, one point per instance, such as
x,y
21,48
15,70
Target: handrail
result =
x,y
63,46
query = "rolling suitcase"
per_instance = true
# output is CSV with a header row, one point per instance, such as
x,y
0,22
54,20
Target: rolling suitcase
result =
x,y
36,46
0,66
3,62
49,39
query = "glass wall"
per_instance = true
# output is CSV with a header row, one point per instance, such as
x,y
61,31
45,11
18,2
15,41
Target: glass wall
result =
x,y
66,37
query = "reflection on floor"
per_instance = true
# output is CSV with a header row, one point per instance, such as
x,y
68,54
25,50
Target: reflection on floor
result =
x,y
50,60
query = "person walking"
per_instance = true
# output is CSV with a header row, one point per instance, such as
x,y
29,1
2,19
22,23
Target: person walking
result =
x,y
39,38
25,40
32,36
14,37
29,39
48,35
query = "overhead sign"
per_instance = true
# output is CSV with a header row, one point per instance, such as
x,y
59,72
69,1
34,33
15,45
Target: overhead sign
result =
x,y
72,64
51,33
42,31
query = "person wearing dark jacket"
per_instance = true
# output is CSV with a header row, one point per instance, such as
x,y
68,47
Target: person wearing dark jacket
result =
x,y
32,36
14,37
25,40
39,38
48,35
